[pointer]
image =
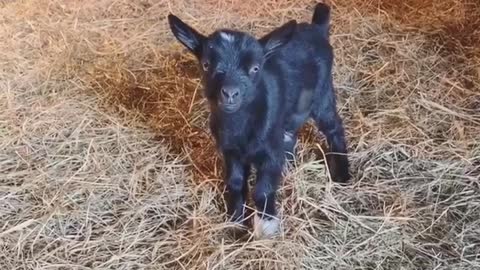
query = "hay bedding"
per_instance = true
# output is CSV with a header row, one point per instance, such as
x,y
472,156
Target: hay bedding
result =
x,y
106,163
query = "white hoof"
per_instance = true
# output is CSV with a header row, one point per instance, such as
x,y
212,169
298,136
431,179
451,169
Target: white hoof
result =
x,y
265,228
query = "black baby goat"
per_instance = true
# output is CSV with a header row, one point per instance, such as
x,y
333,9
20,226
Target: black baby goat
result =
x,y
260,92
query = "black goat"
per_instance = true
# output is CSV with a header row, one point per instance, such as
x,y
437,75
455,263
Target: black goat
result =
x,y
260,92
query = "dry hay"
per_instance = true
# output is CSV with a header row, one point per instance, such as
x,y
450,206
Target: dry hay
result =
x,y
106,162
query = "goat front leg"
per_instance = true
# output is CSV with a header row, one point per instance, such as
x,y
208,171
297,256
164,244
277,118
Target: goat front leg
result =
x,y
266,223
237,189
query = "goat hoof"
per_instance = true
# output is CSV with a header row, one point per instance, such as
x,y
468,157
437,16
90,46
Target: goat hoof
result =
x,y
238,231
265,227
239,220
239,228
339,169
341,178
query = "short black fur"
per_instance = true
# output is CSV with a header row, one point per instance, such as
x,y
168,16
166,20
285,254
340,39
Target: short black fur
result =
x,y
261,92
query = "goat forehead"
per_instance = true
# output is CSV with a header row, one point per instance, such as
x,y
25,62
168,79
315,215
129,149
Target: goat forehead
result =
x,y
227,37
231,41
233,48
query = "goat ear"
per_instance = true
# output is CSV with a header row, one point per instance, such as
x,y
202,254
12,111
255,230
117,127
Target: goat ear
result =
x,y
278,37
188,36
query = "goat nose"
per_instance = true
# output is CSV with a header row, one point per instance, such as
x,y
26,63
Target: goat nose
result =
x,y
230,93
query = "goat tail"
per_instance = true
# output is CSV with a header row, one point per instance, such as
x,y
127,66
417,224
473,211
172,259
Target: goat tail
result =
x,y
321,17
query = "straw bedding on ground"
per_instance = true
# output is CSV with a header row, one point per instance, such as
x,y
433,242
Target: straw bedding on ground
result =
x,y
106,162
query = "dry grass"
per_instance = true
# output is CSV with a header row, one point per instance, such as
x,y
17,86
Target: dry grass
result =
x,y
106,162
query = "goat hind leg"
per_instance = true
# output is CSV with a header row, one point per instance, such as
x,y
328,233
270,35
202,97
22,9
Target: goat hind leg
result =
x,y
330,124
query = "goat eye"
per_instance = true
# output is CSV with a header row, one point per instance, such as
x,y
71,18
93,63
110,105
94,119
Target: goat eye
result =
x,y
254,69
205,65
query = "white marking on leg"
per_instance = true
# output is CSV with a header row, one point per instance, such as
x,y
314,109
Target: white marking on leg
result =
x,y
265,228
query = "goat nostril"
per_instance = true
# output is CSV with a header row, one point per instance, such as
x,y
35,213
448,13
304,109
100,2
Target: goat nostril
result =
x,y
230,93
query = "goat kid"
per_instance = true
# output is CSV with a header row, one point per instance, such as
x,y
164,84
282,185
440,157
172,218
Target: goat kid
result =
x,y
260,92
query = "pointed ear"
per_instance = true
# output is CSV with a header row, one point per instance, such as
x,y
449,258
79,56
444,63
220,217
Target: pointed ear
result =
x,y
278,37
188,36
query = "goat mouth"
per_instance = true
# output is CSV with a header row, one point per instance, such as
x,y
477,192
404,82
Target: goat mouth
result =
x,y
230,108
